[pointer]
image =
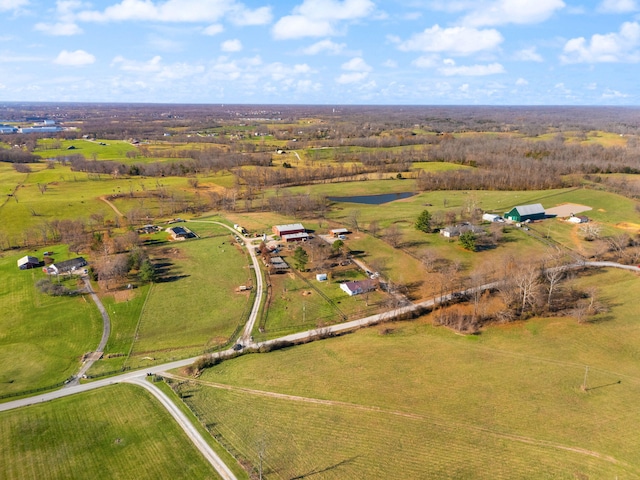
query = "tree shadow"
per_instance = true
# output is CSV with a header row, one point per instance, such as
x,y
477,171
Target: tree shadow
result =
x,y
326,469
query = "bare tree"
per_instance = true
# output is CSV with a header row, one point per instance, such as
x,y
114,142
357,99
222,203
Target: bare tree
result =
x,y
393,235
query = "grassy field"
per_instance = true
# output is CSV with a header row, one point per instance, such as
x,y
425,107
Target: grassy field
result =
x,y
116,432
196,306
42,338
422,402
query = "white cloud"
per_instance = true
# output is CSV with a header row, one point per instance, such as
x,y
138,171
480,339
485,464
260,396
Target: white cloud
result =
x,y
454,40
244,17
297,26
352,77
356,64
58,29
159,70
618,6
324,46
234,45
74,59
390,63
188,11
214,29
426,61
608,93
522,82
9,5
611,47
520,12
528,55
314,18
471,70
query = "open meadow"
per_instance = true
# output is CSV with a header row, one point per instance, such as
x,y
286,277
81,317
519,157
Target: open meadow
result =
x,y
410,400
195,305
119,431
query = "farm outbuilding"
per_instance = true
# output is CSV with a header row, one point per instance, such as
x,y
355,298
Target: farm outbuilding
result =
x,y
28,262
492,217
289,229
296,237
457,230
578,219
336,232
522,213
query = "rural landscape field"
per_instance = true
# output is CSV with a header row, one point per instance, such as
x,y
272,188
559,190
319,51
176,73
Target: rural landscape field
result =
x,y
288,292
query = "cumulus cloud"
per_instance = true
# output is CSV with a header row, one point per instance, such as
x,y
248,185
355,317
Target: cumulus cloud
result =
x,y
324,46
619,46
450,69
352,77
426,61
356,64
58,29
214,29
74,59
521,82
618,6
454,40
159,70
528,55
12,5
234,45
188,11
503,12
314,18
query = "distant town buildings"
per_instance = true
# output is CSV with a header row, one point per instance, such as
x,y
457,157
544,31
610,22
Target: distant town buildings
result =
x,y
45,126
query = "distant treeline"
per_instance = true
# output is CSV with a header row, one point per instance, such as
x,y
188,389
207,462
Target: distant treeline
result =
x,y
17,155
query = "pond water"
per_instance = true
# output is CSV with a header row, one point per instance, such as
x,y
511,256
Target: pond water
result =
x,y
373,199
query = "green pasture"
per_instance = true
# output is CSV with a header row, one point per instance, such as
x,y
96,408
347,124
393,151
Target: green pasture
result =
x,y
42,338
119,431
196,306
409,400
90,149
124,316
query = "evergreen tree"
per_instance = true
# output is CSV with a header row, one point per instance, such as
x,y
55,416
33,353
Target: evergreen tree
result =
x,y
423,223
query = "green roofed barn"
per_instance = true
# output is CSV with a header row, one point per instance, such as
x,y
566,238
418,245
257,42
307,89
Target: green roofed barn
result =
x,y
522,213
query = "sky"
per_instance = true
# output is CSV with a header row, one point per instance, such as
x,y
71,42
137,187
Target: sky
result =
x,y
327,52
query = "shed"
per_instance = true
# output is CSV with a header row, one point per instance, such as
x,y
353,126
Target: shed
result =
x,y
492,217
457,230
522,213
338,231
28,262
277,263
578,219
321,277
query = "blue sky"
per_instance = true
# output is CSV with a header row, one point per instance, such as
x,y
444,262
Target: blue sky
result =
x,y
487,52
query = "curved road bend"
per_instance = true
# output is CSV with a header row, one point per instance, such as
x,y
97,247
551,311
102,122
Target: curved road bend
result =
x,y
195,436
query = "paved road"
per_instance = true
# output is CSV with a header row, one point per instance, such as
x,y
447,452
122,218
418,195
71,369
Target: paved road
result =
x,y
193,433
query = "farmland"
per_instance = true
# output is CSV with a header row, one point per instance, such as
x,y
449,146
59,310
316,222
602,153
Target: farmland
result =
x,y
73,438
507,401
540,382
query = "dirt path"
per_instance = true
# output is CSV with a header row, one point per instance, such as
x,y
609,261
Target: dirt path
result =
x,y
575,239
113,207
433,420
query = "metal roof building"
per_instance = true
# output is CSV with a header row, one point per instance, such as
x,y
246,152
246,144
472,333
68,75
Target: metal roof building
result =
x,y
522,213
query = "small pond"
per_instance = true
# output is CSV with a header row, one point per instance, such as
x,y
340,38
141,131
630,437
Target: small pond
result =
x,y
373,199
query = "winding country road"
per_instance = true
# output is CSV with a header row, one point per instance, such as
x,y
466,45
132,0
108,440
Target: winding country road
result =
x,y
138,377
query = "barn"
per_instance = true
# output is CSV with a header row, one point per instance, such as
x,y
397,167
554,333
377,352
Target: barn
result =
x,y
289,229
27,262
522,213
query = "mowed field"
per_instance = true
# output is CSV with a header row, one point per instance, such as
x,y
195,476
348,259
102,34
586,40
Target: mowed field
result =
x,y
119,431
42,338
422,402
195,305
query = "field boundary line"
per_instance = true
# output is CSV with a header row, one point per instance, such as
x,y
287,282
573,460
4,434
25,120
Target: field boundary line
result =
x,y
135,334
413,416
